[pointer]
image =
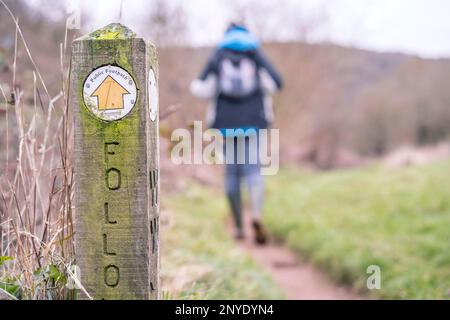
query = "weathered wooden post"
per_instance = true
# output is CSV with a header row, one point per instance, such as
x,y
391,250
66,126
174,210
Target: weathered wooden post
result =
x,y
113,93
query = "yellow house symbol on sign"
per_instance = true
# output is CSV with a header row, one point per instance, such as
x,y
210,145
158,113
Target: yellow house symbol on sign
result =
x,y
110,94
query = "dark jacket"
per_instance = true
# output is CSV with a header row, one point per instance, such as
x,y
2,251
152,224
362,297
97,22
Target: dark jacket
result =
x,y
247,112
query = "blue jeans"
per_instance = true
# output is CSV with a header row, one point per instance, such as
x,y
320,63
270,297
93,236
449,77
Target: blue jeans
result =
x,y
244,153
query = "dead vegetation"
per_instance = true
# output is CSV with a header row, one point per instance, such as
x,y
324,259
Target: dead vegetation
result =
x,y
36,182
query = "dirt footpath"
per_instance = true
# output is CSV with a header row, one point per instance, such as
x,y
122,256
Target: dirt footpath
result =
x,y
299,280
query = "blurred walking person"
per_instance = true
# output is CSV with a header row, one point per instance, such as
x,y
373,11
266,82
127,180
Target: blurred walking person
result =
x,y
238,80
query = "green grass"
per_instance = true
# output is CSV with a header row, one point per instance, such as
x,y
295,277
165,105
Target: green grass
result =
x,y
398,219
197,251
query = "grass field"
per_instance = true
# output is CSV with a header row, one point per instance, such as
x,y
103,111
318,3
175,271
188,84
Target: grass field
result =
x,y
398,219
200,260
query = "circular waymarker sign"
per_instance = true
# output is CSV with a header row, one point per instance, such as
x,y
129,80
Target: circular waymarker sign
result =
x,y
109,92
153,95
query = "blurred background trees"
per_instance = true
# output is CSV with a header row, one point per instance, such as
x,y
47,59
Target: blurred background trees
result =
x,y
340,104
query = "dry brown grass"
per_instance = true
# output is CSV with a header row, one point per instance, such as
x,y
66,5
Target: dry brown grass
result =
x,y
36,185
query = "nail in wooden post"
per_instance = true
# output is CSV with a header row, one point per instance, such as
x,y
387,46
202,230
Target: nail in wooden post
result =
x,y
114,97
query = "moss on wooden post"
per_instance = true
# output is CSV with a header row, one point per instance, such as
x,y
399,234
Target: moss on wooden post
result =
x,y
116,164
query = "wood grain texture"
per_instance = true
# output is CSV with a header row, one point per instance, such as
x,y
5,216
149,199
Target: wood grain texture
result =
x,y
116,178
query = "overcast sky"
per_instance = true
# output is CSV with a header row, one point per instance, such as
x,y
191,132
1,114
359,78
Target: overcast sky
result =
x,y
420,27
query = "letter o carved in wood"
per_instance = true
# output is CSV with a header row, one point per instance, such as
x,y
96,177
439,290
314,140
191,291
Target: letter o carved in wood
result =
x,y
111,275
113,179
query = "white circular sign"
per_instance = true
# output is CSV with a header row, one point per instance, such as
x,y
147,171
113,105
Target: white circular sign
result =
x,y
110,93
152,95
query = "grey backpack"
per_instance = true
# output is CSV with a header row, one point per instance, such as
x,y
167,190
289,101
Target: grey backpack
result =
x,y
238,79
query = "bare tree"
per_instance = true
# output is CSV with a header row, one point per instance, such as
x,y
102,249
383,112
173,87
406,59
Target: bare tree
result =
x,y
282,20
166,23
